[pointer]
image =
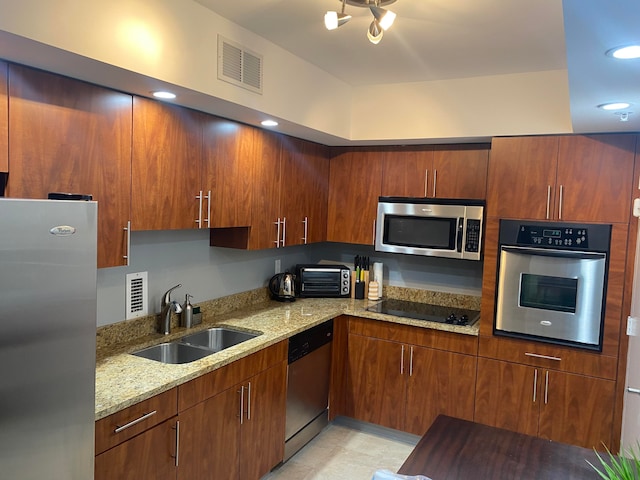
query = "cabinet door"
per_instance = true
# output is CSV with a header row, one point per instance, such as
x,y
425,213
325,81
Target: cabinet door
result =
x,y
460,172
167,158
148,456
354,187
377,375
595,173
71,136
210,438
304,192
265,191
407,172
507,396
4,121
521,178
439,383
227,171
262,437
576,409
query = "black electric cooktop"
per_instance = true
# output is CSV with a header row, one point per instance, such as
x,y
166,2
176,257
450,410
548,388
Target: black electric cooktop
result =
x,y
425,311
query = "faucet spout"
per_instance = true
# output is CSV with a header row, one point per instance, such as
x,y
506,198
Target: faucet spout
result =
x,y
166,307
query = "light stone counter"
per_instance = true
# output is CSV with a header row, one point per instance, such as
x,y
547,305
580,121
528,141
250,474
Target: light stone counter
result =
x,y
123,379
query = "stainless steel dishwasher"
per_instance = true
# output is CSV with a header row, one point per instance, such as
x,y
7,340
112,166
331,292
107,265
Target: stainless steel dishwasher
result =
x,y
308,375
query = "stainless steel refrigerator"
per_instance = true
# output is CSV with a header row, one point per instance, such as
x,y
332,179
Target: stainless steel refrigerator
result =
x,y
47,339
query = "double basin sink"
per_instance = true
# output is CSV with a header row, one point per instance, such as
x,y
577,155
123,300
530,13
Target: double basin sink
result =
x,y
196,345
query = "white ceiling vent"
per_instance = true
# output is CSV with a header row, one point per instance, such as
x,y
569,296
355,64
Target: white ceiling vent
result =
x,y
239,66
136,295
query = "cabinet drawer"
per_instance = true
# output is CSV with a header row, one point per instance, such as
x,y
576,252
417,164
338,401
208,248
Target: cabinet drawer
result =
x,y
210,384
422,337
554,357
127,423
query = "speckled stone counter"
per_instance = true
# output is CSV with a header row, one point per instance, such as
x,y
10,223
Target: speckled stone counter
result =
x,y
123,379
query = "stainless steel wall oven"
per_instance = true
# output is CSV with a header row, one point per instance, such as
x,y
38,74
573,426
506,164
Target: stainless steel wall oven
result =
x,y
552,280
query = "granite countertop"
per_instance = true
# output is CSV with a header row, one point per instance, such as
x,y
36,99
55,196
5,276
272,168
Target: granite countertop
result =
x,y
123,380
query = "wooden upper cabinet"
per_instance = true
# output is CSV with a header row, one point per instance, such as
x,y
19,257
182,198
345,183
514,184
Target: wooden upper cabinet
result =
x,y
69,136
4,120
406,172
522,174
355,178
227,169
265,191
460,171
304,192
595,178
166,167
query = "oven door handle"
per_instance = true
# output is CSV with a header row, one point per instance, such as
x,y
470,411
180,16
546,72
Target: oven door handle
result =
x,y
549,252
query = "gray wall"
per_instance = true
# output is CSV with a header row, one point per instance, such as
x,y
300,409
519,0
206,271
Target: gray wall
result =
x,y
184,256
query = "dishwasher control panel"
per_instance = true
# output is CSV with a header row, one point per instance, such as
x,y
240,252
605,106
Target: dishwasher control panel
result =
x,y
306,342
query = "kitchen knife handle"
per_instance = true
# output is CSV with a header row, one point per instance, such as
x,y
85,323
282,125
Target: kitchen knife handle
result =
x,y
120,428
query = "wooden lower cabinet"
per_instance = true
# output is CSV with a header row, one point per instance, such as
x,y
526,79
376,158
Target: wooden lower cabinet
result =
x,y
558,406
405,386
148,456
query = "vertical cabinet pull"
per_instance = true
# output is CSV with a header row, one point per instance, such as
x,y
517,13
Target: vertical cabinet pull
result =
x,y
560,203
199,219
277,240
411,361
548,200
426,181
305,222
241,392
546,387
535,384
249,401
177,429
284,231
127,257
435,179
208,219
402,361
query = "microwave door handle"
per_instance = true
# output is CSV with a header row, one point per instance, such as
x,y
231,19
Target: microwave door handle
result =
x,y
547,252
460,234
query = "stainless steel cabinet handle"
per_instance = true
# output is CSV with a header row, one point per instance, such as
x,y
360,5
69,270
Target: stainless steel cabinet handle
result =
x,y
633,390
128,252
305,222
560,203
546,357
177,429
241,392
208,219
411,362
535,384
426,181
277,241
546,387
199,220
134,422
435,179
284,231
402,361
548,200
249,401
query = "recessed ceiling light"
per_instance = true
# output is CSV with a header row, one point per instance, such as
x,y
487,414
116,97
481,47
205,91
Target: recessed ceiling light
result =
x,y
625,53
164,95
614,106
269,123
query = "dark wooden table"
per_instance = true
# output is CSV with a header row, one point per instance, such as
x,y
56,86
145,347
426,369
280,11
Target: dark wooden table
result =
x,y
454,449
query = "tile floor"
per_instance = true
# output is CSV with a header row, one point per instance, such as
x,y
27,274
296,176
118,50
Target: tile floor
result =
x,y
347,450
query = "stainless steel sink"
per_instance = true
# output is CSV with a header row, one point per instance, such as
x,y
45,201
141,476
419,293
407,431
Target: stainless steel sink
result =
x,y
218,338
173,352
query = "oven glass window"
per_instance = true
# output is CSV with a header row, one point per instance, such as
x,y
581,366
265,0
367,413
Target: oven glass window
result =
x,y
422,232
548,293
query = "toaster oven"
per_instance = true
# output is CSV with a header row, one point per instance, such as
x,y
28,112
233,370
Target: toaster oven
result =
x,y
320,280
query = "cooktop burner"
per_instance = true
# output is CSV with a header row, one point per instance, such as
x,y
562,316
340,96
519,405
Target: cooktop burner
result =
x,y
425,311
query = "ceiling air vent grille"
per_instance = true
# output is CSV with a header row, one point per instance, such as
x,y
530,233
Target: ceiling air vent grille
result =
x,y
136,295
239,66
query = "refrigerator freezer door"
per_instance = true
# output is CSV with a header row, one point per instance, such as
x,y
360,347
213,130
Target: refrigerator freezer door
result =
x,y
47,338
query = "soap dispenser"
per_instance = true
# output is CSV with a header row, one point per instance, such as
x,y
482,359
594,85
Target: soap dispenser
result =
x,y
187,312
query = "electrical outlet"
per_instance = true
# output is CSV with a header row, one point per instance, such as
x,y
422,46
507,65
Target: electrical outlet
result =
x,y
278,266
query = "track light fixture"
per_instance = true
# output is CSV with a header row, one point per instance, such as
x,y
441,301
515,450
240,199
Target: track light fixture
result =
x,y
382,18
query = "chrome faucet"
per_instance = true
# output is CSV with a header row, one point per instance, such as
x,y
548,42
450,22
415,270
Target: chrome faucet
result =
x,y
168,306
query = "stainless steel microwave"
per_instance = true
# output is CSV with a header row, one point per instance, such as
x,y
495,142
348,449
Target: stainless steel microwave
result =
x,y
437,227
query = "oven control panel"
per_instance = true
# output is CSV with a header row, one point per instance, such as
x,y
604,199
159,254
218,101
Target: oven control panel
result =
x,y
553,236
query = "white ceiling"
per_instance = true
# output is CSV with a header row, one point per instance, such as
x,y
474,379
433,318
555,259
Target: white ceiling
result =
x,y
450,39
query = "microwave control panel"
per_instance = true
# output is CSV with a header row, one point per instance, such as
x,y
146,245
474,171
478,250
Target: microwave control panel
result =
x,y
472,239
553,236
